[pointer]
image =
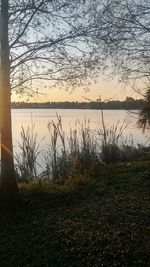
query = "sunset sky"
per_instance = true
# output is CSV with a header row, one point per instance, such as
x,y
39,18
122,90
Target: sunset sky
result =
x,y
106,89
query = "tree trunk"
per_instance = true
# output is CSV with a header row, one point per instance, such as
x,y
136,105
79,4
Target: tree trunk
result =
x,y
8,185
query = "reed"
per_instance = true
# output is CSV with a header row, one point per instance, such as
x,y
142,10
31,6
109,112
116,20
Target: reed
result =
x,y
88,146
70,155
56,157
76,153
112,139
26,160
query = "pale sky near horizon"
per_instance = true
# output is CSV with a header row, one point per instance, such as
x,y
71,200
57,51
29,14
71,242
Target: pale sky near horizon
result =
x,y
107,90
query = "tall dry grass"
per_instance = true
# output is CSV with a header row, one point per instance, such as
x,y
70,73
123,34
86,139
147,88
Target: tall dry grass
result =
x,y
27,159
76,153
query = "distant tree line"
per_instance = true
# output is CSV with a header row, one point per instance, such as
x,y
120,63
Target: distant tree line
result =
x,y
128,104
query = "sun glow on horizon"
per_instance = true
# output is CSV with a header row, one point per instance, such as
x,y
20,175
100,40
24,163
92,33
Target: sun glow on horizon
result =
x,y
107,90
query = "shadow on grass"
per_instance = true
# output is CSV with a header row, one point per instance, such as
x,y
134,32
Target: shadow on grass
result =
x,y
93,221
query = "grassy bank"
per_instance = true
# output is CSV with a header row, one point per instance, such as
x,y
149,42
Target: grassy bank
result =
x,y
99,219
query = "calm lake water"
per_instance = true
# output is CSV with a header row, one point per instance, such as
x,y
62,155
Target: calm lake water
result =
x,y
41,117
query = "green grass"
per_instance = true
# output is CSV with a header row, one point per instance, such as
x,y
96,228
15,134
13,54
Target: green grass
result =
x,y
99,219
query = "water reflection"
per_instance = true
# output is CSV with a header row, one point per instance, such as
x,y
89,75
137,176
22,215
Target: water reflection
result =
x,y
41,117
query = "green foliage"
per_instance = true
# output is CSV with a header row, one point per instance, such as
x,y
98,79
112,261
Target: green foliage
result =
x,y
144,115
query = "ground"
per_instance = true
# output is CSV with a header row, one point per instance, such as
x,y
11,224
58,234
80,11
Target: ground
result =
x,y
99,219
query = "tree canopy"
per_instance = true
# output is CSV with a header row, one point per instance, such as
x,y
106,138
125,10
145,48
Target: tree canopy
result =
x,y
125,37
52,41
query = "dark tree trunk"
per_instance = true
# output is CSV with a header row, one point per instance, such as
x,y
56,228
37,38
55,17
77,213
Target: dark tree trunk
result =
x,y
8,184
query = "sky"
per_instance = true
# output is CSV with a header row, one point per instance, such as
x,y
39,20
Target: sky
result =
x,y
107,90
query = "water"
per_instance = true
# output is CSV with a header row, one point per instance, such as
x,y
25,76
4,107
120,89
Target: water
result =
x,y
41,117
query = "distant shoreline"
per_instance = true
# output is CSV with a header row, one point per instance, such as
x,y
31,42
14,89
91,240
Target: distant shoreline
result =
x,y
128,104
77,108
